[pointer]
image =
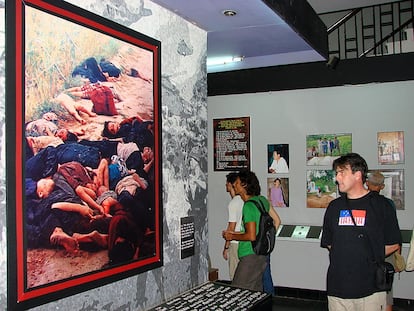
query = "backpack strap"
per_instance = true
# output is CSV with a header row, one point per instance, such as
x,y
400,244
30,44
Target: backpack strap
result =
x,y
374,208
259,206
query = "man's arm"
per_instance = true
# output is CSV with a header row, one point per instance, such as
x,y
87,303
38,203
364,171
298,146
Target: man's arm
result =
x,y
230,227
137,178
389,249
87,195
284,167
275,217
84,210
249,235
147,166
272,168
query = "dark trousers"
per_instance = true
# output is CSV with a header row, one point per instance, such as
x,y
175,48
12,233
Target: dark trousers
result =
x,y
249,272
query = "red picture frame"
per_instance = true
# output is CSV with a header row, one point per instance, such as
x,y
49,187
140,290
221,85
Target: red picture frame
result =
x,y
46,41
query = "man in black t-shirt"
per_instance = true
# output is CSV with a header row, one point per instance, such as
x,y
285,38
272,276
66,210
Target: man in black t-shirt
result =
x,y
359,227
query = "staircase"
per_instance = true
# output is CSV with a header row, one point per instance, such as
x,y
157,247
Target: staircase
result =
x,y
371,31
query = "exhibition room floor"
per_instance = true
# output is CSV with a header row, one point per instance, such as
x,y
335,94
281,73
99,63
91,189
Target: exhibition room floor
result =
x,y
294,299
295,304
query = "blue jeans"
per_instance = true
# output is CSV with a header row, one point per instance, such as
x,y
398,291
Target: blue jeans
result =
x,y
268,286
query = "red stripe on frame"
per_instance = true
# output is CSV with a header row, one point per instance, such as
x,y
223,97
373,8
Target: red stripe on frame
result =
x,y
22,293
19,176
95,25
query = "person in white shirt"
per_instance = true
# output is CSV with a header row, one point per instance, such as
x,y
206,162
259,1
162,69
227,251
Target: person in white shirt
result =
x,y
279,164
235,209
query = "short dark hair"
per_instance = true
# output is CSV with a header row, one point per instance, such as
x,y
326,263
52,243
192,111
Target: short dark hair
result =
x,y
250,182
105,132
231,177
355,161
71,137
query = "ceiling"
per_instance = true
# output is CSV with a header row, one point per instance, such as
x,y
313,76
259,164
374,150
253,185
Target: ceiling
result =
x,y
257,33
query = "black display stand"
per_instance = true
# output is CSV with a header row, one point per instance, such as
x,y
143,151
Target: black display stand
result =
x,y
218,297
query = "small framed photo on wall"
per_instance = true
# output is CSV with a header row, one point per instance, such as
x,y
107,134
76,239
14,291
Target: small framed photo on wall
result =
x,y
323,149
390,147
321,188
278,191
278,158
393,186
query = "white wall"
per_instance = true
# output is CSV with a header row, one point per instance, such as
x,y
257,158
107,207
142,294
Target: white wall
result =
x,y
287,117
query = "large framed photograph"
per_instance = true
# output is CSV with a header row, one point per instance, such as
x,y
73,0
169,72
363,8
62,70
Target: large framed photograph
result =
x,y
323,149
394,186
84,187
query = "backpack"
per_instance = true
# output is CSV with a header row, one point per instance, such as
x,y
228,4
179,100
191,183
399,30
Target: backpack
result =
x,y
265,238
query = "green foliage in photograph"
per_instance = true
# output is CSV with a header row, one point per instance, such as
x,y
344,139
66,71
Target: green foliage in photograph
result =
x,y
322,179
342,143
51,57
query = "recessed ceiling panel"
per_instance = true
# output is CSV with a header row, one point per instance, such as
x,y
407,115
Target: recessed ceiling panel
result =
x,y
263,32
208,14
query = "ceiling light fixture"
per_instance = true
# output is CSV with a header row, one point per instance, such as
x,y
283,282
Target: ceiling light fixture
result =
x,y
238,58
229,12
215,61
